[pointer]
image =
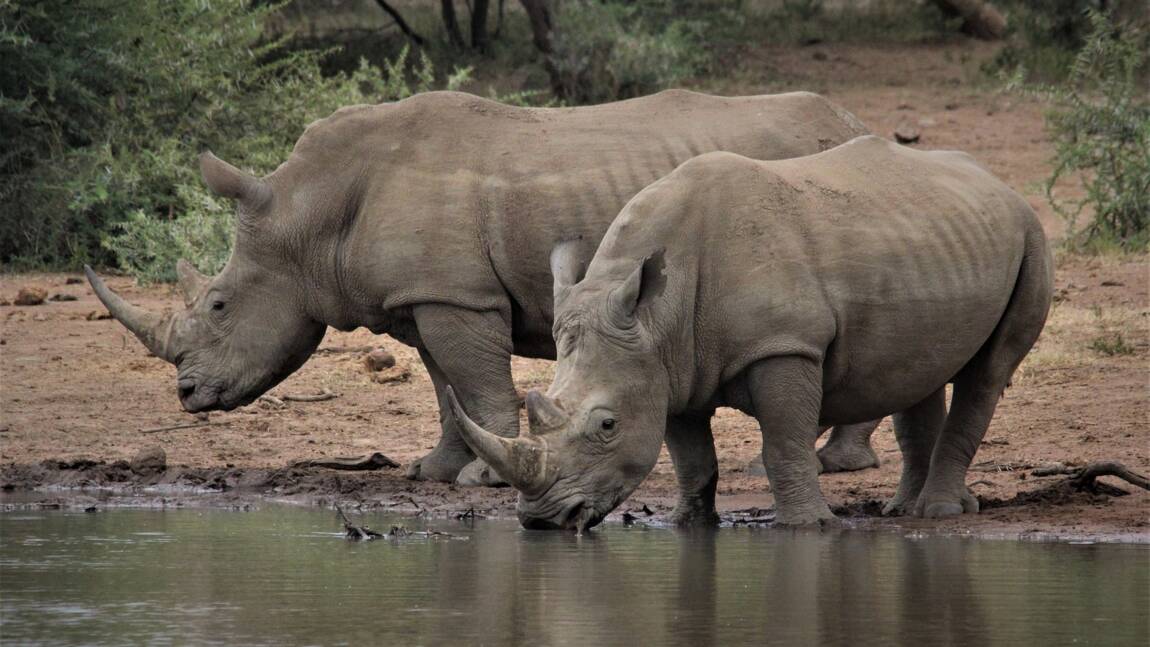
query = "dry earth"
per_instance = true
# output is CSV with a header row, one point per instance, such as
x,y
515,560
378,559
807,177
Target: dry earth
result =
x,y
75,393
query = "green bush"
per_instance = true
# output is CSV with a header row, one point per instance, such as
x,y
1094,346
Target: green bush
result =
x,y
105,104
1100,122
610,50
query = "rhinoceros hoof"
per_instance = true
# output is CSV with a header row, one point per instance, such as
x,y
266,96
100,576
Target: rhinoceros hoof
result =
x,y
693,517
839,458
479,474
933,508
438,466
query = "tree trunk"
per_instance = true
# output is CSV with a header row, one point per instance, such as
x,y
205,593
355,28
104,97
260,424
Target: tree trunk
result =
x,y
479,36
454,36
979,18
541,15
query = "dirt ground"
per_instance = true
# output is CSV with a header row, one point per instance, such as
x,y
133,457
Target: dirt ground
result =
x,y
75,393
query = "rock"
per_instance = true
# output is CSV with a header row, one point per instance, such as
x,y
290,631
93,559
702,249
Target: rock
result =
x,y
60,296
393,374
951,106
5,302
98,315
150,460
30,297
906,134
378,359
819,56
73,280
904,106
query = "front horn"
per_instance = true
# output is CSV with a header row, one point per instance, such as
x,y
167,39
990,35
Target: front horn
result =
x,y
521,461
151,329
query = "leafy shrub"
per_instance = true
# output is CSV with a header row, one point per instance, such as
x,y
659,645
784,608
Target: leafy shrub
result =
x,y
609,50
1100,122
105,104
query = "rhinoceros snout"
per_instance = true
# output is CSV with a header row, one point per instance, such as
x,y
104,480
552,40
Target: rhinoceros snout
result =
x,y
195,398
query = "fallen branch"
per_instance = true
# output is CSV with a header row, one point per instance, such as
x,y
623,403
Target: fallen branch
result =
x,y
187,425
1084,478
357,533
334,350
317,397
375,461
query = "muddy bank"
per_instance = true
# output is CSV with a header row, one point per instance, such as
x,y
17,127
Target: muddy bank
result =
x,y
1052,511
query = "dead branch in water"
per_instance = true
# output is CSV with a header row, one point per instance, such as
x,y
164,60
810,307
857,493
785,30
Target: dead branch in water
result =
x,y
1084,478
317,397
357,533
375,461
186,425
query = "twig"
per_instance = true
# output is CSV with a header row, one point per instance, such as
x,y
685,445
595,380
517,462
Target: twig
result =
x,y
354,532
187,425
403,26
272,401
318,397
333,350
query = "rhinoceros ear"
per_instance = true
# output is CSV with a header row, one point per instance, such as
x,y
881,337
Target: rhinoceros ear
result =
x,y
643,286
230,182
567,264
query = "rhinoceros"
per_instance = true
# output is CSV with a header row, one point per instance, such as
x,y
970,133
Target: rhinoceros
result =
x,y
829,289
431,219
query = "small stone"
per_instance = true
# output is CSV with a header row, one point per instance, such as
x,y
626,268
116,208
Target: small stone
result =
x,y
150,460
378,359
5,302
73,280
819,56
30,296
60,296
98,315
905,106
906,134
951,106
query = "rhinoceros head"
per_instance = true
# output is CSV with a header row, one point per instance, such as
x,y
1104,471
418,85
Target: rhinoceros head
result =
x,y
241,332
597,432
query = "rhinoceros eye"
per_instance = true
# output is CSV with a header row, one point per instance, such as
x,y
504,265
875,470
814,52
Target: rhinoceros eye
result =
x,y
218,305
608,424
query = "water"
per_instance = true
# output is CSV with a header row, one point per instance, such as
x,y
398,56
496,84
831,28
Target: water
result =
x,y
282,576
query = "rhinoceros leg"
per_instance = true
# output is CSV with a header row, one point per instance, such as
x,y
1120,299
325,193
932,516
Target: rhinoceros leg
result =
x,y
979,385
451,454
471,351
916,430
848,448
692,449
786,395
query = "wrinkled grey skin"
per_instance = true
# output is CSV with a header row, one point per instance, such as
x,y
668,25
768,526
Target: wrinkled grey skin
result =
x,y
431,220
830,289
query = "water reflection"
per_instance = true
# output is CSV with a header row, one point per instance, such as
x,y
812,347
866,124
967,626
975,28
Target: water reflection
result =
x,y
278,577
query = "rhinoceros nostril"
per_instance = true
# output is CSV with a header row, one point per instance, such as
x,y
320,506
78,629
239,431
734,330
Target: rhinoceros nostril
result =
x,y
187,388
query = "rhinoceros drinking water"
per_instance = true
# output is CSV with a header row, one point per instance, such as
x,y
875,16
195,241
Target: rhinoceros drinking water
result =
x,y
828,289
431,219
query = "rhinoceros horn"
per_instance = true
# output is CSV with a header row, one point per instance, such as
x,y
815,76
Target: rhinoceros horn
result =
x,y
152,329
543,415
521,461
230,182
190,280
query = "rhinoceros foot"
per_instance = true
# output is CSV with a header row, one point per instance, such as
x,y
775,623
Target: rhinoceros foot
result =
x,y
439,465
936,506
477,473
847,457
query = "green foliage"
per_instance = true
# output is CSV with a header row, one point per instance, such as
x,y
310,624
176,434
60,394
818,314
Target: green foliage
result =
x,y
1044,36
614,50
1100,123
104,105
